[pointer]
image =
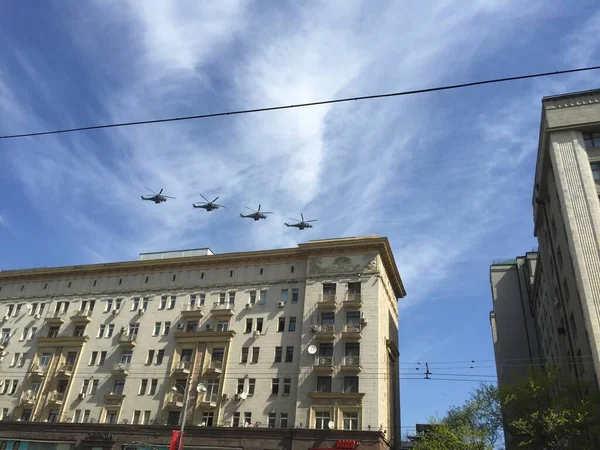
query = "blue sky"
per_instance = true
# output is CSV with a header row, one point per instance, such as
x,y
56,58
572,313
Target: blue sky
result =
x,y
447,177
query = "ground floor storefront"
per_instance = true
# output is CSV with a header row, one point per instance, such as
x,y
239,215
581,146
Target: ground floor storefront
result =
x,y
70,436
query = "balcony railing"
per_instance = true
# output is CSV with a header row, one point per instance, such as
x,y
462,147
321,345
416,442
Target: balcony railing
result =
x,y
28,398
66,369
183,368
324,361
215,365
192,308
175,400
56,397
127,339
218,306
37,369
81,316
325,328
121,369
351,361
327,301
353,300
57,317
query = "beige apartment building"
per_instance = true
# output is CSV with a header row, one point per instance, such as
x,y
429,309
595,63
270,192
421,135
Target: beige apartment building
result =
x,y
560,283
303,337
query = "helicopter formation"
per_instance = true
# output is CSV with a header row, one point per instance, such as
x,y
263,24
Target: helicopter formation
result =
x,y
209,205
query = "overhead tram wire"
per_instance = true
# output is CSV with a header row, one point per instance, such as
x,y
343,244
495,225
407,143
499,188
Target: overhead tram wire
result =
x,y
303,105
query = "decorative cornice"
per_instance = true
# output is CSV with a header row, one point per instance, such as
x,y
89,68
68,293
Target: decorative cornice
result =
x,y
571,100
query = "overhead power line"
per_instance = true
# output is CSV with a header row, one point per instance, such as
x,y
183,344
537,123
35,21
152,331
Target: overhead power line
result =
x,y
303,105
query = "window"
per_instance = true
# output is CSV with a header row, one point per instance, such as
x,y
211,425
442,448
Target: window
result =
x,y
221,298
230,273
295,295
111,417
192,300
134,328
252,297
244,354
329,291
118,303
153,386
202,275
118,387
350,420
172,302
350,384
143,386
187,354
327,319
232,298
102,358
32,333
261,271
251,386
275,386
284,295
201,299
289,353
292,324
249,325
53,415
263,297
159,357
208,418
14,360
236,419
79,331
287,386
591,140
101,331
191,326
255,353
223,325
86,416
53,332
6,387
85,386
278,354
71,358
126,356
240,385
259,325
322,420
77,417
135,305
109,305
111,329
136,417
163,302
281,325
45,360
272,419
283,420
353,318
167,328
157,326
145,303
174,278
323,384
24,334
13,388
120,280
35,387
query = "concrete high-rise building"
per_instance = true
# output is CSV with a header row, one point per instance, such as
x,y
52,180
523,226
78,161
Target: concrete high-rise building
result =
x,y
547,304
303,337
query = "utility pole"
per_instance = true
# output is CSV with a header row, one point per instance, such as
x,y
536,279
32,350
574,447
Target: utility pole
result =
x,y
186,399
427,373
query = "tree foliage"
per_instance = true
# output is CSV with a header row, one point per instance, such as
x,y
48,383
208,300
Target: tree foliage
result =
x,y
549,410
476,425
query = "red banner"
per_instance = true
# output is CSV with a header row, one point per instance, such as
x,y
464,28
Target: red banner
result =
x,y
174,440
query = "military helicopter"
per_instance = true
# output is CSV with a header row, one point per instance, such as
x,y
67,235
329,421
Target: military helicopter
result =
x,y
256,215
156,198
209,206
302,224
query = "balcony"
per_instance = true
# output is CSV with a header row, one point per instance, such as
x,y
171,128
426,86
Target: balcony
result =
x,y
120,370
351,363
353,301
56,398
175,400
190,312
28,399
323,364
114,399
182,369
215,367
209,401
324,333
351,332
81,317
222,309
65,370
55,340
127,340
4,342
326,302
37,370
56,319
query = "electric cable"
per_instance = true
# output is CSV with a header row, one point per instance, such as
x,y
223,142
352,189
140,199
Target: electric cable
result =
x,y
302,105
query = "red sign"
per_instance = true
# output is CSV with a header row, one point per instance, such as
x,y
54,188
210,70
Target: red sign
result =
x,y
175,436
346,444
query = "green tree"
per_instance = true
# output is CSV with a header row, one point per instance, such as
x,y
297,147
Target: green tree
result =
x,y
549,410
476,425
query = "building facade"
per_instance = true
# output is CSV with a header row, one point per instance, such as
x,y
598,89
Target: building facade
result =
x,y
547,303
304,337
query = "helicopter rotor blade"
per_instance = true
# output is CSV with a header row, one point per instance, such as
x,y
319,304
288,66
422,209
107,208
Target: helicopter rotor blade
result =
x,y
302,215
220,206
205,198
215,200
249,209
293,219
258,208
266,212
150,190
161,189
166,196
314,220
